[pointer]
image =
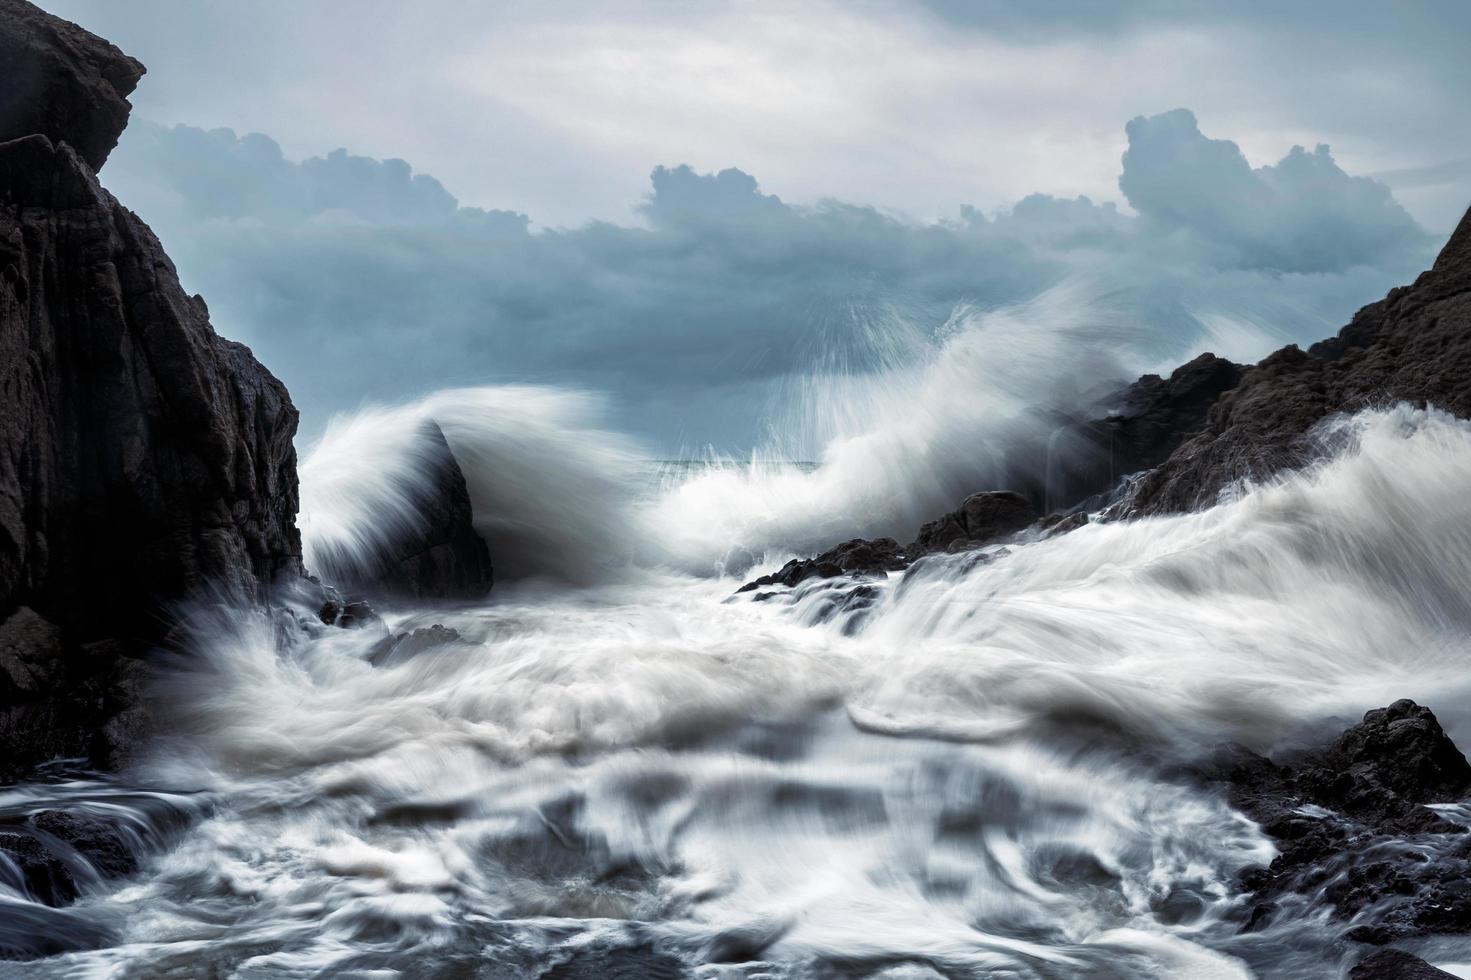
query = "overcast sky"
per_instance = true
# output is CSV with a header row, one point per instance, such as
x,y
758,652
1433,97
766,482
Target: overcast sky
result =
x,y
704,296
560,109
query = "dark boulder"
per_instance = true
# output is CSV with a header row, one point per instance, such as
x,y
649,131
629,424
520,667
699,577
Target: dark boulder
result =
x,y
26,863
143,458
981,519
1352,829
93,837
62,82
433,552
1414,346
874,558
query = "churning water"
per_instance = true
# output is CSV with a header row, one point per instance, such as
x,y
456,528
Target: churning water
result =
x,y
971,776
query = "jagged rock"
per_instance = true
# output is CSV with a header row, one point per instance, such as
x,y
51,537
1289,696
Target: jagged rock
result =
x,y
1056,525
1327,809
143,458
62,82
1396,964
434,554
1142,424
859,556
1414,345
981,519
400,647
346,613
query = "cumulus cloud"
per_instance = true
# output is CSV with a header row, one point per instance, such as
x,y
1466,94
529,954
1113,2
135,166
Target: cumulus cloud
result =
x,y
360,280
1302,215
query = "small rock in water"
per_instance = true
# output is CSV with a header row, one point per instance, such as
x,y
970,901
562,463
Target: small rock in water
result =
x,y
877,557
396,649
346,613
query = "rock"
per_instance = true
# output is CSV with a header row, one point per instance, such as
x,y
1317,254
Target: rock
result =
x,y
981,519
1056,525
62,82
41,874
1396,964
30,655
346,613
143,458
1144,423
401,647
626,963
91,836
1364,793
1414,345
435,553
869,558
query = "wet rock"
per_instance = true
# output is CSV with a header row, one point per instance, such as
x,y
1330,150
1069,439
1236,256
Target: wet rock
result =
x,y
981,519
405,646
143,459
346,613
62,82
36,869
1056,525
1395,964
1414,345
870,558
629,963
95,838
1352,829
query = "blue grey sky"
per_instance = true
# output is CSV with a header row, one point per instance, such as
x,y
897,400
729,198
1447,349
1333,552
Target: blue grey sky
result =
x,y
825,171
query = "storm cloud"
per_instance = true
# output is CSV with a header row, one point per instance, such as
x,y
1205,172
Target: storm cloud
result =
x,y
359,280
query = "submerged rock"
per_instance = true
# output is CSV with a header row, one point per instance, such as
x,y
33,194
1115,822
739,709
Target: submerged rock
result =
x,y
143,458
1353,831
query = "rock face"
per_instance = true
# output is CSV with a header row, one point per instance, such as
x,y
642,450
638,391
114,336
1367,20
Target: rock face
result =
x,y
1148,421
1414,345
62,83
1352,830
142,457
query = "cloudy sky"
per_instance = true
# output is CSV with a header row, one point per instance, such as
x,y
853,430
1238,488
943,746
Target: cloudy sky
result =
x,y
830,176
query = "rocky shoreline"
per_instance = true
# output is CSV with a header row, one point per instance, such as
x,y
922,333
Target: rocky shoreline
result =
x,y
147,463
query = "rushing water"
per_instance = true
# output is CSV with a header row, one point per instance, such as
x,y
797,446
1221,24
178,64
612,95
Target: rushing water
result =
x,y
974,775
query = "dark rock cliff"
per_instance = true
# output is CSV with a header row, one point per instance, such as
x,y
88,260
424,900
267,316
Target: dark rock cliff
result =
x,y
1414,345
143,458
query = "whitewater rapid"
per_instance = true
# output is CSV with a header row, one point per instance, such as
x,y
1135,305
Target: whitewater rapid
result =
x,y
975,775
